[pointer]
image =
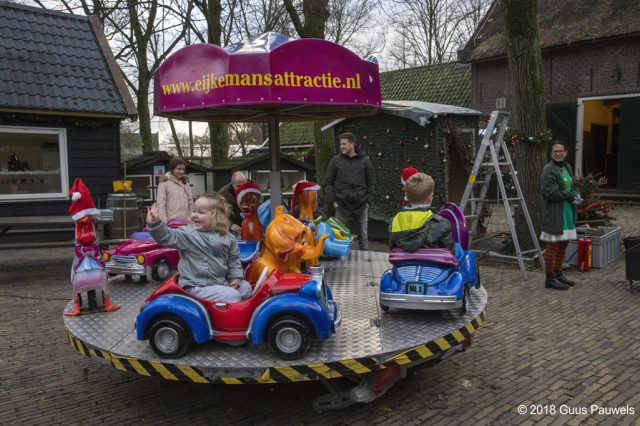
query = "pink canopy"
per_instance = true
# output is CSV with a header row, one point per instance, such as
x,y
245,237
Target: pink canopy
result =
x,y
270,78
297,80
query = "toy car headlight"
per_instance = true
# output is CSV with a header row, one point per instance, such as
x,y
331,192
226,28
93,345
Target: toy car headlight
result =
x,y
106,256
313,289
140,259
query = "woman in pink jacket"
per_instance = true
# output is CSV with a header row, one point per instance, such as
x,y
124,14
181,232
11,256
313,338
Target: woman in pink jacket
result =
x,y
174,192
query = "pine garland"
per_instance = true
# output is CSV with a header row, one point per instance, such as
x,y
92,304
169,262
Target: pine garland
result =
x,y
303,155
88,123
511,136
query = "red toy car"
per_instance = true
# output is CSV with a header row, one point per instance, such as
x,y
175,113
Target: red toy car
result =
x,y
286,310
142,256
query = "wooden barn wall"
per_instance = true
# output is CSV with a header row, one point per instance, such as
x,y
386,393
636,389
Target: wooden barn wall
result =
x,y
93,155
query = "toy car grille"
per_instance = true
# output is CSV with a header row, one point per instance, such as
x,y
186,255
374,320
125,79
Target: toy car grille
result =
x,y
423,274
124,260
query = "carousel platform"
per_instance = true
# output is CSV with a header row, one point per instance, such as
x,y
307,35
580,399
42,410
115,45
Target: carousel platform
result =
x,y
369,341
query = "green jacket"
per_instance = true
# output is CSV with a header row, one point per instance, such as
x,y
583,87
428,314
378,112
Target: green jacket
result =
x,y
553,197
420,228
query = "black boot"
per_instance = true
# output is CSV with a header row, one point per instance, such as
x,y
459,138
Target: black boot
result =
x,y
562,279
551,282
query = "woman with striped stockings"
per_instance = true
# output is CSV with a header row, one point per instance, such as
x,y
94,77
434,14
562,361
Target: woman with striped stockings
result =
x,y
560,199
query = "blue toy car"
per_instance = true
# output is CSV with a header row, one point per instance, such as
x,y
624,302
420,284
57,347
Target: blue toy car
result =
x,y
433,279
287,310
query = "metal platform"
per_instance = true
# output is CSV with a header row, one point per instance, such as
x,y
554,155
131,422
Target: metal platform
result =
x,y
370,339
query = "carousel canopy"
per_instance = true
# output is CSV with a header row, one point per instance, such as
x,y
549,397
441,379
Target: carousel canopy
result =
x,y
297,80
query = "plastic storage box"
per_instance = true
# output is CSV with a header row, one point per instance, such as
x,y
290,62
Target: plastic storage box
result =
x,y
605,249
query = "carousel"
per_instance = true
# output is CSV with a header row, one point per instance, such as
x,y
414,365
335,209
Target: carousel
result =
x,y
316,312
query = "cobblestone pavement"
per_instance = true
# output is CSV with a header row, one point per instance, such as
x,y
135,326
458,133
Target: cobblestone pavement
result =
x,y
537,347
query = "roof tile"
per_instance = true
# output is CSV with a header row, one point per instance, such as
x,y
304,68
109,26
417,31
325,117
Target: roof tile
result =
x,y
561,23
51,60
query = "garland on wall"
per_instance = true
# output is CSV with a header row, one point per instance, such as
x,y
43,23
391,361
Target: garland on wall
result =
x,y
511,136
303,155
87,123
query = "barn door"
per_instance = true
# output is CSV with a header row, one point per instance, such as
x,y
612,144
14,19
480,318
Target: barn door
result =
x,y
561,120
629,144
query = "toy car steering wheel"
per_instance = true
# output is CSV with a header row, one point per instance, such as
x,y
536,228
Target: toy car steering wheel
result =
x,y
261,280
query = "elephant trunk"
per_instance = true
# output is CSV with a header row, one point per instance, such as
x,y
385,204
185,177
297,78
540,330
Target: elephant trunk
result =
x,y
314,252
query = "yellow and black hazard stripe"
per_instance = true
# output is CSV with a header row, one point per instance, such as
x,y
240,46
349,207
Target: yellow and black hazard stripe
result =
x,y
87,350
439,345
299,373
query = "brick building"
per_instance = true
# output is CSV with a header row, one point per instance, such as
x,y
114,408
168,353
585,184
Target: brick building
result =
x,y
591,66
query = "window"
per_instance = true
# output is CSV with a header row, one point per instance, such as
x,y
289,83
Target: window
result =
x,y
33,163
140,185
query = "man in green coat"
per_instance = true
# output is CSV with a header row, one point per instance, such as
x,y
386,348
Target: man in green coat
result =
x,y
350,186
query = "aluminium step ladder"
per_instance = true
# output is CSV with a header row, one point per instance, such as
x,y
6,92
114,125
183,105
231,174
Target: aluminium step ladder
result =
x,y
493,165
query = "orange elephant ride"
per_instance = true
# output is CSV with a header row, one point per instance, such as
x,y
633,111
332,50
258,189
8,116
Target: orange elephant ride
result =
x,y
287,242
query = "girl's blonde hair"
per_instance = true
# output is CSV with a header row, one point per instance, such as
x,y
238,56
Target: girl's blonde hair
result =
x,y
220,211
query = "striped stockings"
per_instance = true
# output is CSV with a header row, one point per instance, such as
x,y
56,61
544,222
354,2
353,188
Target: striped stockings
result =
x,y
554,255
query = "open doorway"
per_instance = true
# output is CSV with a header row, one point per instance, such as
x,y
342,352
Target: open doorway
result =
x,y
609,140
600,139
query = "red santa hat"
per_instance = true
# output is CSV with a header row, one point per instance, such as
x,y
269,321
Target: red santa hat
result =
x,y
302,186
407,173
81,202
245,189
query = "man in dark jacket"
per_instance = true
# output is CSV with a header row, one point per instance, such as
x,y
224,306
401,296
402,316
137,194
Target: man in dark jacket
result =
x,y
228,192
350,186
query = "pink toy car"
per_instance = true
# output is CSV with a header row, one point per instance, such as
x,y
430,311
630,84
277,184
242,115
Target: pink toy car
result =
x,y
142,256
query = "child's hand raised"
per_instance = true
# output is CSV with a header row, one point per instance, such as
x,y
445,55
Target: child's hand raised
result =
x,y
152,213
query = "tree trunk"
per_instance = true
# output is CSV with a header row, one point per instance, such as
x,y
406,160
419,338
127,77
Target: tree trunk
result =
x,y
191,139
175,137
143,112
325,150
219,139
528,105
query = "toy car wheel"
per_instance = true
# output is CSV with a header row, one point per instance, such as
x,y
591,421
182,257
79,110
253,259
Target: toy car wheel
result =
x,y
169,337
465,302
161,270
478,285
143,279
384,308
290,337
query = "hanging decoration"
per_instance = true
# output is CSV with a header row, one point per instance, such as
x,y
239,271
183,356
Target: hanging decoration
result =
x,y
514,135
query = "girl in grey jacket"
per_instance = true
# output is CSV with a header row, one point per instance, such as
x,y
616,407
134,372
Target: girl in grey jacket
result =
x,y
209,264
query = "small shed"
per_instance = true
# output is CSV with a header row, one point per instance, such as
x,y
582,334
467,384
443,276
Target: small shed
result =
x,y
439,140
145,172
62,98
255,167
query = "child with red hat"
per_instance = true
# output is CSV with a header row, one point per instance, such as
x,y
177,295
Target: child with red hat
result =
x,y
406,174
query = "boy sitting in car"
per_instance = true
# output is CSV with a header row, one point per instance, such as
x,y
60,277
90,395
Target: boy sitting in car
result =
x,y
417,226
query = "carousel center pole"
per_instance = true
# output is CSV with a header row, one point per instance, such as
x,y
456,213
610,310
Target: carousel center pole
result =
x,y
274,164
